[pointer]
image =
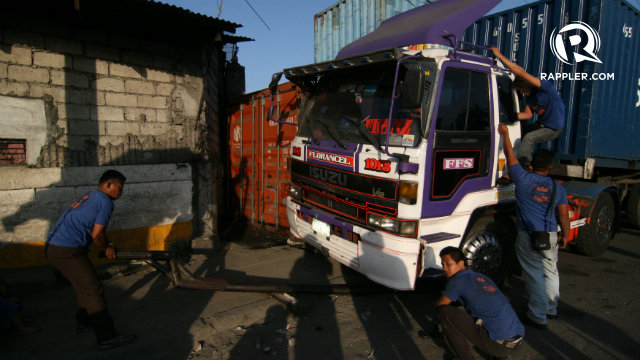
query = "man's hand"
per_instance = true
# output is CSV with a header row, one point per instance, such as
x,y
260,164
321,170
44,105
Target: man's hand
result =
x,y
503,129
562,240
496,52
110,252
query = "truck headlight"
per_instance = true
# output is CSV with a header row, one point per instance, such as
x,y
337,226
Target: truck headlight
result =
x,y
394,226
295,192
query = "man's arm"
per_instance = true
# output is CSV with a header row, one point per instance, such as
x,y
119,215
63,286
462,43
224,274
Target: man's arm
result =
x,y
562,211
100,239
526,114
516,69
506,145
444,300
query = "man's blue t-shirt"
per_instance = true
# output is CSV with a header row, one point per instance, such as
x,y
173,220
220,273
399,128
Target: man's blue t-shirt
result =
x,y
74,227
547,103
483,300
532,195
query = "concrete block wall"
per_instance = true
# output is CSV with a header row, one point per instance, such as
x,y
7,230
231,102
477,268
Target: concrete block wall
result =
x,y
86,100
105,94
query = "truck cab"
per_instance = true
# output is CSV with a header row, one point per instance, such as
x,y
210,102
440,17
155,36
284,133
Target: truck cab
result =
x,y
384,197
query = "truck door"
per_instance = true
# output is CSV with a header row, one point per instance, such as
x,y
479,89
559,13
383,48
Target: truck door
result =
x,y
460,156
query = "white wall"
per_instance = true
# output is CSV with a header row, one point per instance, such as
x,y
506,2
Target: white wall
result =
x,y
31,200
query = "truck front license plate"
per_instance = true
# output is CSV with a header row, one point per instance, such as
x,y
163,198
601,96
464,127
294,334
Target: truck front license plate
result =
x,y
321,227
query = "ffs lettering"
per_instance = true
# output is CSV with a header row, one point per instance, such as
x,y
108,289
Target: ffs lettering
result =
x,y
457,164
377,165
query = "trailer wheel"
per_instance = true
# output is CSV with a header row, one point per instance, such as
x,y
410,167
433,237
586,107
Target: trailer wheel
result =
x,y
593,239
633,206
489,247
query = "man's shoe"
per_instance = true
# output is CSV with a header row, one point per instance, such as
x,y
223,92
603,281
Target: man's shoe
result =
x,y
527,321
552,316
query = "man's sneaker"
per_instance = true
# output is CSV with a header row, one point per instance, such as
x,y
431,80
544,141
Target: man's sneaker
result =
x,y
527,321
552,316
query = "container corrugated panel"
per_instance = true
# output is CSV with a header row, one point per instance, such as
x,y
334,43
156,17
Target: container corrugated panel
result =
x,y
258,173
348,20
603,116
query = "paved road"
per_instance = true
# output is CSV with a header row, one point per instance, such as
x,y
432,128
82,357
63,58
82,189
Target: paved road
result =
x,y
599,314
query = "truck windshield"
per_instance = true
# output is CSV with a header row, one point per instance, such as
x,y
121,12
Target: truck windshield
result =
x,y
353,106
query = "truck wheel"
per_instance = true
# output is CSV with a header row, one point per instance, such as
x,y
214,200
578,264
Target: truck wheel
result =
x,y
633,206
593,239
489,247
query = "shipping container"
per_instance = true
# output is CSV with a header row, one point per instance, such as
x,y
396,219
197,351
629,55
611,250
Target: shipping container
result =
x,y
348,20
257,169
603,105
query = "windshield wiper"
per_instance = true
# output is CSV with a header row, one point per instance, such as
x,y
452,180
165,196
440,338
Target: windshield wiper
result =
x,y
333,132
364,130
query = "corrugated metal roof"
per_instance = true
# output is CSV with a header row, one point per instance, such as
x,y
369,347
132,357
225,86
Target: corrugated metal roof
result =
x,y
148,18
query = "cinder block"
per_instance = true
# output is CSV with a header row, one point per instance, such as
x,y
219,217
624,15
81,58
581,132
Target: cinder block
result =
x,y
163,115
164,89
138,58
79,96
162,62
107,113
157,75
101,52
139,87
63,45
28,74
109,84
86,127
53,60
155,129
140,114
69,78
16,55
116,99
74,111
124,71
58,93
157,102
89,65
115,128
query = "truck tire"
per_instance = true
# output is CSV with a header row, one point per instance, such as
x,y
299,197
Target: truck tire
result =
x,y
593,238
633,206
489,247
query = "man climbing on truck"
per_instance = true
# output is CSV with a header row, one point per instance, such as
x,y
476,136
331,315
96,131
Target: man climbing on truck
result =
x,y
539,200
541,98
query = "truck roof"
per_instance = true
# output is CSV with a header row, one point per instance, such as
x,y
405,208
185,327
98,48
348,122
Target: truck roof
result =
x,y
442,22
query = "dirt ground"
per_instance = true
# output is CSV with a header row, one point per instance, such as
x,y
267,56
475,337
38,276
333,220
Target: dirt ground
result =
x,y
599,314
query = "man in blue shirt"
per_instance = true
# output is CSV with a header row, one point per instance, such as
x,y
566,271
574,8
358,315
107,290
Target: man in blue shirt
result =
x,y
67,247
542,99
538,211
489,321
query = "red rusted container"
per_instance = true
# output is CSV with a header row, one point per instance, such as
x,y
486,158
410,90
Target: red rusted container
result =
x,y
258,155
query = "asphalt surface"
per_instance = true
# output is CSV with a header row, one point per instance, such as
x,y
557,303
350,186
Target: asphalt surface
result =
x,y
599,306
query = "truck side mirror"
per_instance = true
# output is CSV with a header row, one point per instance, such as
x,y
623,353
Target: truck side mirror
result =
x,y
412,87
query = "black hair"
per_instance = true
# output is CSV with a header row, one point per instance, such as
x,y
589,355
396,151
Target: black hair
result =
x,y
521,83
112,175
541,159
455,253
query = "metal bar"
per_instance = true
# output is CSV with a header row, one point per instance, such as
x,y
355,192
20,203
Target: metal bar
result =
x,y
277,197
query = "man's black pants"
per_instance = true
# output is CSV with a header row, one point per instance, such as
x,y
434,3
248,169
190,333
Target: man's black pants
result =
x,y
459,327
74,264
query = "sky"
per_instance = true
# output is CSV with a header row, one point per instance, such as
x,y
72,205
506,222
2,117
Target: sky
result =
x,y
287,38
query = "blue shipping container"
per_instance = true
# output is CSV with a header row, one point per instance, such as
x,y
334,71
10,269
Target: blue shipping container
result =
x,y
603,105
